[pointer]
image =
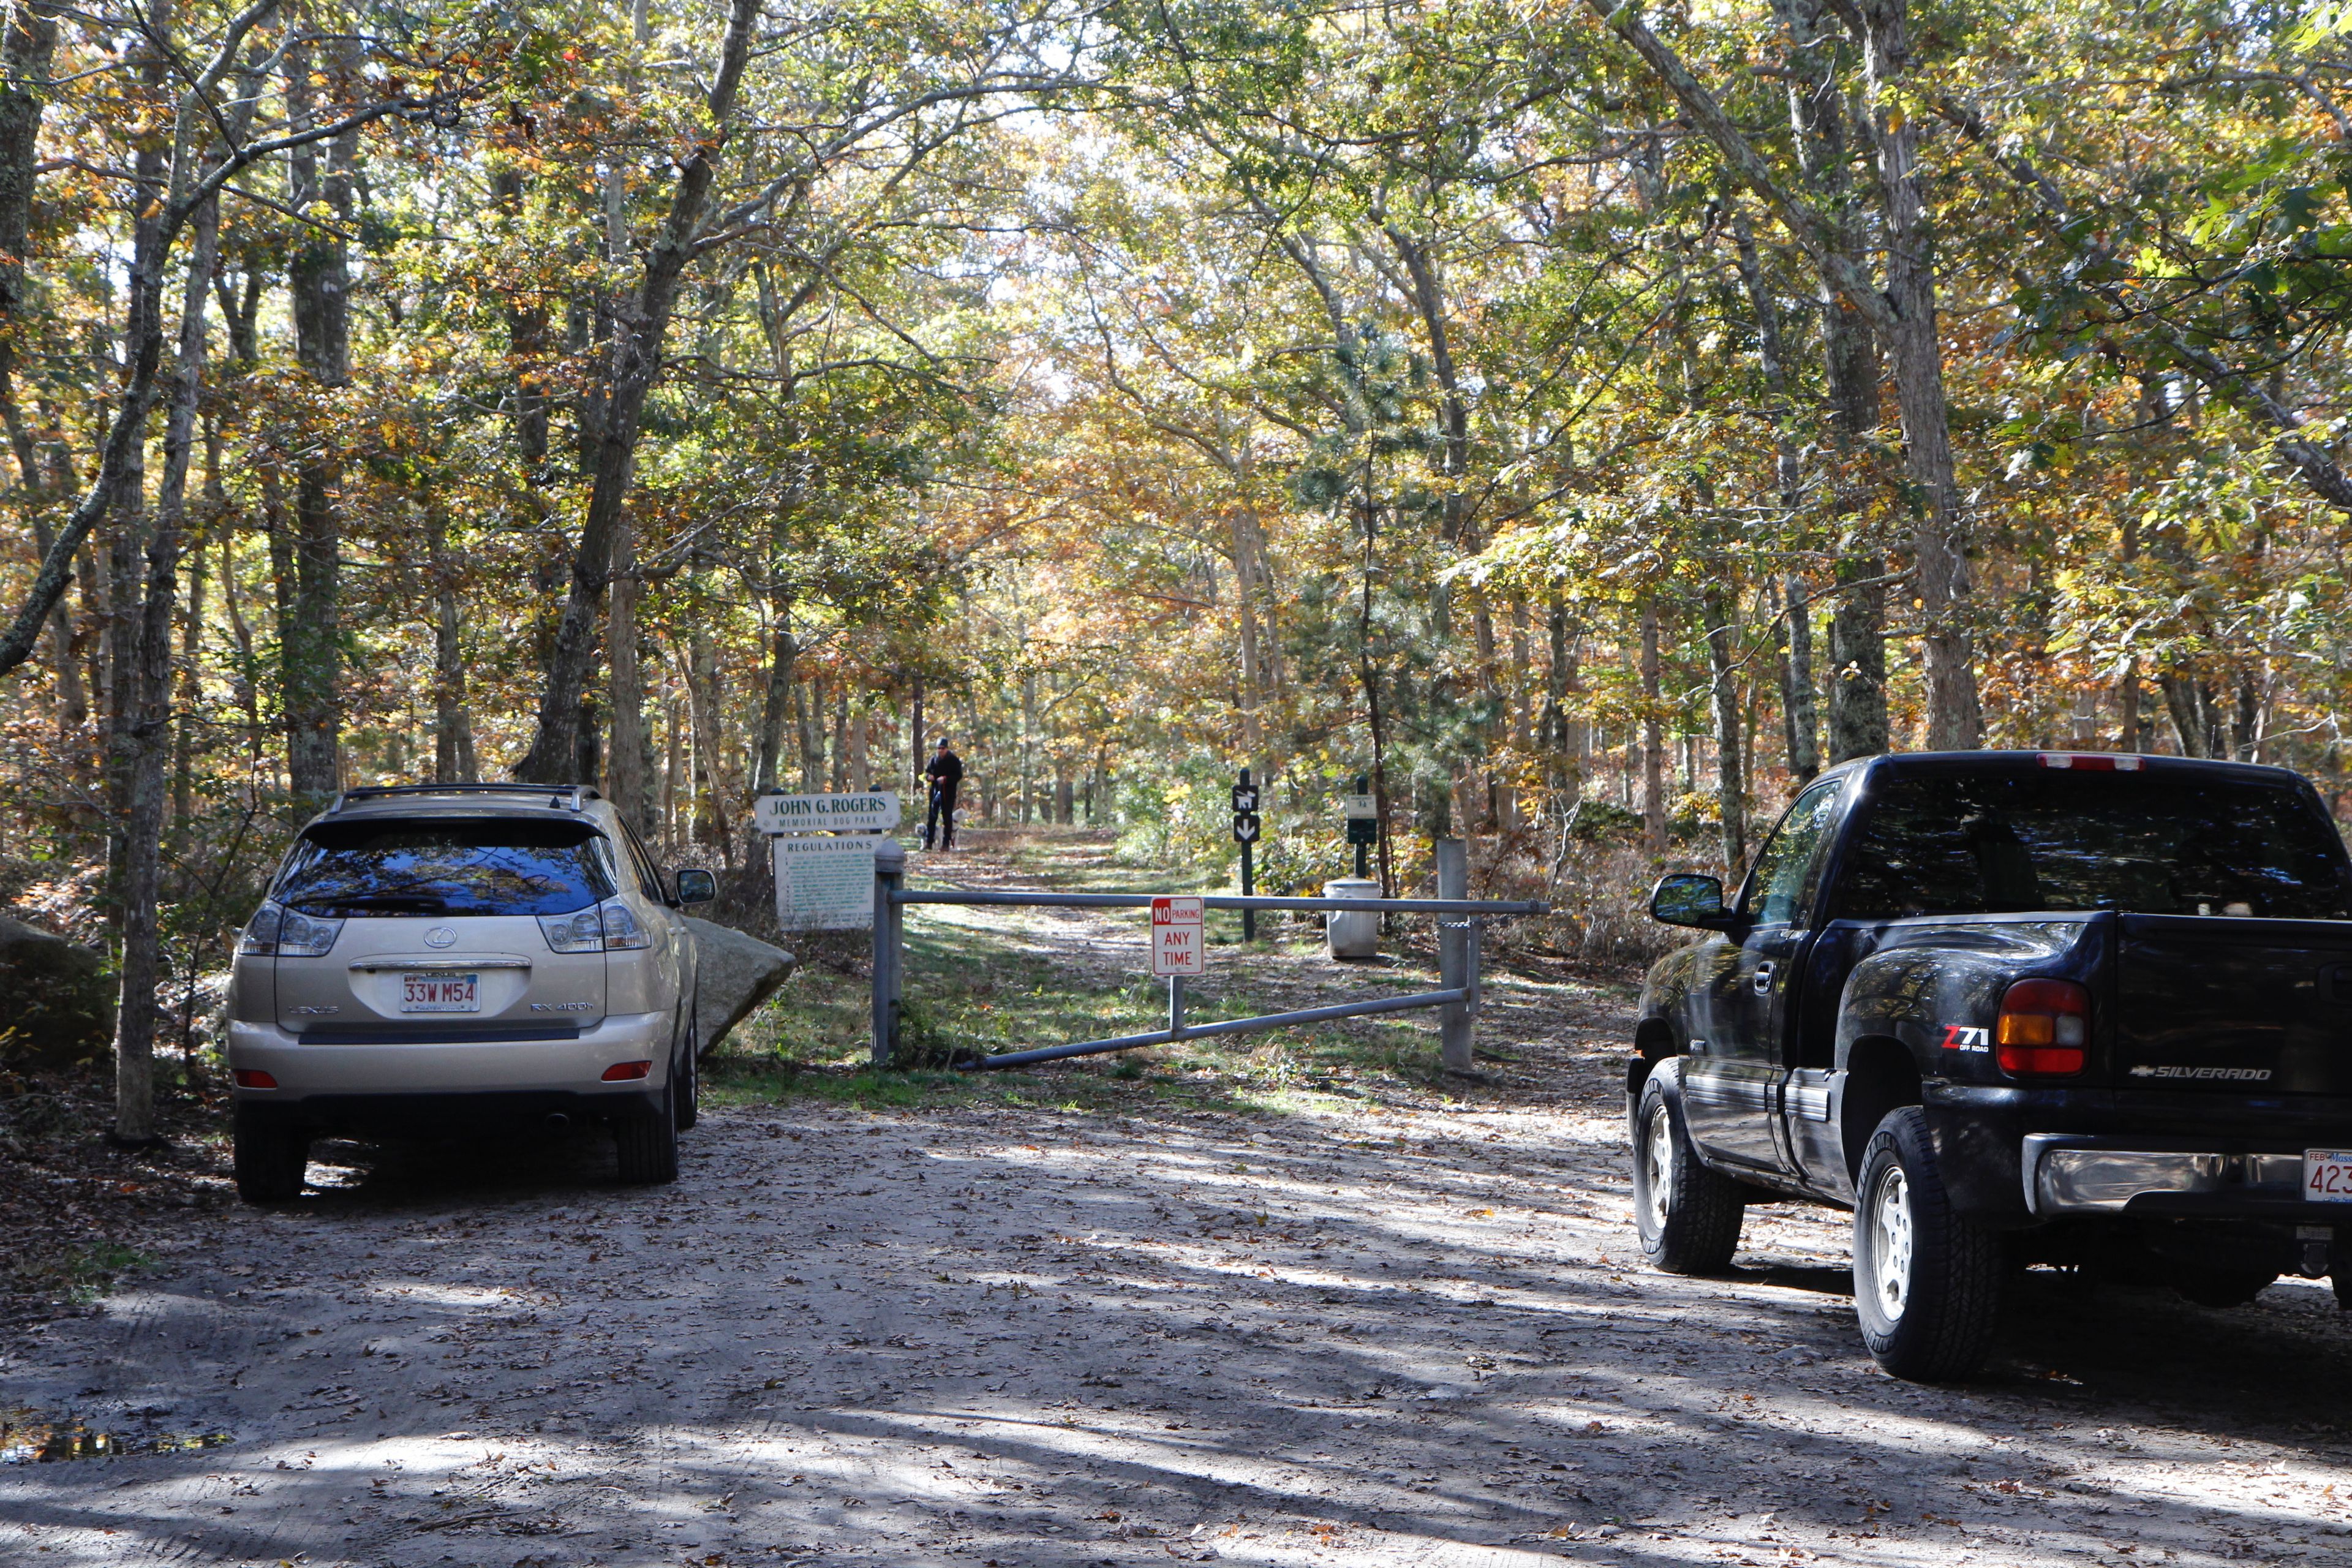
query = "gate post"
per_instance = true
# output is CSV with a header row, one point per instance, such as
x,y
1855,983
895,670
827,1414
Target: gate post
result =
x,y
890,871
1455,933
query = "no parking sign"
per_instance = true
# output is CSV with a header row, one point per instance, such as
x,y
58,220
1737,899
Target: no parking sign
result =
x,y
1176,946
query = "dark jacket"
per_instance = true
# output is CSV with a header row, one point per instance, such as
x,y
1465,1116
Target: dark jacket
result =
x,y
945,772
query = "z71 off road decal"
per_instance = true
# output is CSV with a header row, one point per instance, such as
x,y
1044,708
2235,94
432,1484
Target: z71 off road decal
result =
x,y
1961,1037
2225,1074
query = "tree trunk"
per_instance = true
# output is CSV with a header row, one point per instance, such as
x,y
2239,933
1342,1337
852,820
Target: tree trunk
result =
x,y
671,777
190,684
1940,571
915,737
1028,742
1653,755
147,734
2187,702
318,283
2128,684
1245,604
702,697
775,706
1730,780
625,769
636,358
861,777
808,704
453,728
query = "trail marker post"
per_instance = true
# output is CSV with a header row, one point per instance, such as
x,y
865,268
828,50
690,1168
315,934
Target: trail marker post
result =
x,y
1246,827
1363,824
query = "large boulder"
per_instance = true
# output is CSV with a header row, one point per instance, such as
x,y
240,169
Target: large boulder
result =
x,y
60,1009
739,973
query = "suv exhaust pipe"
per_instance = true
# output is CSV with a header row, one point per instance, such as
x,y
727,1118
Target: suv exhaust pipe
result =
x,y
558,1122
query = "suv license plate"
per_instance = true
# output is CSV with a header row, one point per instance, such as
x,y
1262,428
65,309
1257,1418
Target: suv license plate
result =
x,y
462,993
2327,1175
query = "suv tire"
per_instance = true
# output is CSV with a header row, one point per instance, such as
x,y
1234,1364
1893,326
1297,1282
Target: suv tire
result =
x,y
1688,1216
271,1157
648,1143
1927,1281
689,1078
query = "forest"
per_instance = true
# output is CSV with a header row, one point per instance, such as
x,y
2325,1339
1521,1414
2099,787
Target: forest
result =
x,y
1583,423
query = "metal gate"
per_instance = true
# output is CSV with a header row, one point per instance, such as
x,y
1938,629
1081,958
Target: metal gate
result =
x,y
1455,998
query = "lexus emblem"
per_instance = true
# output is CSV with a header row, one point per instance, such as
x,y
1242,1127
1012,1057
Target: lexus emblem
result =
x,y
440,936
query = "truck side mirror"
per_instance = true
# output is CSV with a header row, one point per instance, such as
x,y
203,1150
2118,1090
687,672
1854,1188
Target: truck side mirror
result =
x,y
696,886
1689,898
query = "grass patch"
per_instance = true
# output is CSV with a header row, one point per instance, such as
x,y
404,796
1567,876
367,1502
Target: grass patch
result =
x,y
81,1275
977,983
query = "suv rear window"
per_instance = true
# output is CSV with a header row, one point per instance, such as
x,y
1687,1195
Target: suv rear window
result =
x,y
487,867
1939,845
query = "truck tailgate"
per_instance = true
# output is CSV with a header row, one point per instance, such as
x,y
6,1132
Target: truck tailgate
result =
x,y
2221,1005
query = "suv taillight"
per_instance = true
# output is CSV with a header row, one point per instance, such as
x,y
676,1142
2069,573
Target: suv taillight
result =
x,y
608,927
282,932
2044,1029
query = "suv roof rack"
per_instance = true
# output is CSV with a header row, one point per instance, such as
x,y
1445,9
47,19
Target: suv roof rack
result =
x,y
568,797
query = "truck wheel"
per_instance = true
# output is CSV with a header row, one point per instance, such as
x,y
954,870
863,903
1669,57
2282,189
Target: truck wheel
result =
x,y
648,1143
2223,1287
1689,1215
270,1158
1927,1281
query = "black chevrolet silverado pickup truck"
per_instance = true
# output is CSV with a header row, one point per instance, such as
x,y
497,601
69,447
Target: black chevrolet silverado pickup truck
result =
x,y
2012,1008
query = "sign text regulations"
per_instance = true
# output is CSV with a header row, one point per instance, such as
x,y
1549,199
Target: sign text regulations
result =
x,y
1177,947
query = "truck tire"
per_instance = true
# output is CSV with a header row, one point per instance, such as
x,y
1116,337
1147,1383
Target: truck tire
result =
x,y
2221,1287
1927,1281
1689,1215
270,1158
648,1143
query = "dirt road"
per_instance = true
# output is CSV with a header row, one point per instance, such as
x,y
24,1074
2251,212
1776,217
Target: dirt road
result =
x,y
1409,1332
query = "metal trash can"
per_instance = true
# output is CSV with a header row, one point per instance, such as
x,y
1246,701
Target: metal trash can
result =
x,y
1350,935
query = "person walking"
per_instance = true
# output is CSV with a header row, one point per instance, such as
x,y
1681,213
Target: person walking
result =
x,y
945,773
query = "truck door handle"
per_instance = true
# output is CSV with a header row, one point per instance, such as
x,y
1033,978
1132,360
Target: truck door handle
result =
x,y
1763,978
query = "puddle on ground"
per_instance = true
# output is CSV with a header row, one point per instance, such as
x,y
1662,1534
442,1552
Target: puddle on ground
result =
x,y
27,1439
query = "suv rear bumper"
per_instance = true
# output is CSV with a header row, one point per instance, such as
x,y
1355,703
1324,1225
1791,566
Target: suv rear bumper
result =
x,y
2068,1174
455,1071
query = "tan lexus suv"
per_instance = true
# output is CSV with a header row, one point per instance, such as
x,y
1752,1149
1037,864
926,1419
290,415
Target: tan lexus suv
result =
x,y
447,958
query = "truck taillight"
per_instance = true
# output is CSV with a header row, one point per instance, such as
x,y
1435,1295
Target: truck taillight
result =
x,y
2044,1029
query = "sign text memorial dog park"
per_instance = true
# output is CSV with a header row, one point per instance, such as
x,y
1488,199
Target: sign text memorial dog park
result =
x,y
824,882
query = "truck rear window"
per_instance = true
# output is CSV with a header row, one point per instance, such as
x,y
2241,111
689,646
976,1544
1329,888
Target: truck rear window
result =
x,y
1959,844
447,867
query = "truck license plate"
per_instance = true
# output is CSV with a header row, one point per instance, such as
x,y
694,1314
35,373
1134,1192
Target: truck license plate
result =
x,y
461,994
2327,1175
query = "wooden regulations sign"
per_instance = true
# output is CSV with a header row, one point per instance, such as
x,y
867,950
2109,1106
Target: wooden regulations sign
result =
x,y
876,810
823,883
1177,944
